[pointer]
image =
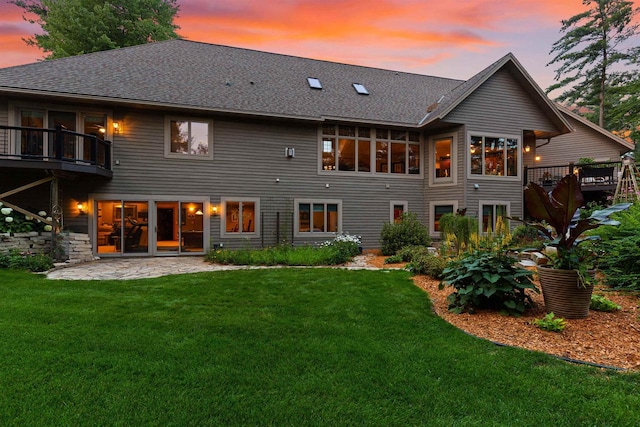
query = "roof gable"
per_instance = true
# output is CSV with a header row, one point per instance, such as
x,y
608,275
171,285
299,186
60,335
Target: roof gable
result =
x,y
459,94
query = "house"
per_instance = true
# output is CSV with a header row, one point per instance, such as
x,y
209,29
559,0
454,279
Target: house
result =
x,y
175,147
564,154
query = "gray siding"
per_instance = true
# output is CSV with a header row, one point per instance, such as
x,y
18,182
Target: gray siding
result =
x,y
248,158
582,142
498,107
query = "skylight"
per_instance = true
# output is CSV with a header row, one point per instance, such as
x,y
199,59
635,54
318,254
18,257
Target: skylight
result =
x,y
360,89
314,83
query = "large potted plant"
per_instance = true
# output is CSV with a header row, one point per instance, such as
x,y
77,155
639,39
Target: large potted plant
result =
x,y
567,279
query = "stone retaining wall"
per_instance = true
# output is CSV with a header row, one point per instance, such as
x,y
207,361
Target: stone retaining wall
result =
x,y
75,247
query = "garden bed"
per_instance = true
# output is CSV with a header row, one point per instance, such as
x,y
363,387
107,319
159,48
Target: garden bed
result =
x,y
610,339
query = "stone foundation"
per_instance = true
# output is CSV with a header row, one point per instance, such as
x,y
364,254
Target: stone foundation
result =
x,y
75,247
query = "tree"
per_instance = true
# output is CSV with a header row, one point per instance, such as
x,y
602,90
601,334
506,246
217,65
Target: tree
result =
x,y
74,27
592,58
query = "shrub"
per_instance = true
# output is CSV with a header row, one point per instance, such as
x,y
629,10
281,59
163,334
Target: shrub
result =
x,y
619,249
12,221
337,251
525,236
427,263
407,232
458,231
601,303
550,323
487,280
26,261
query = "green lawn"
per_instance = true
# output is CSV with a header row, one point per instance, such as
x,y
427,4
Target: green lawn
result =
x,y
274,347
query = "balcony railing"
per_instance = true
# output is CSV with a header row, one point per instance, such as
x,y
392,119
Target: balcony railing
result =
x,y
596,176
55,149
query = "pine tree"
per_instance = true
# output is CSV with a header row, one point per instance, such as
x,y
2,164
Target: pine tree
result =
x,y
595,69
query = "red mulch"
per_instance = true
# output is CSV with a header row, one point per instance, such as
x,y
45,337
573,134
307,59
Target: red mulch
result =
x,y
610,339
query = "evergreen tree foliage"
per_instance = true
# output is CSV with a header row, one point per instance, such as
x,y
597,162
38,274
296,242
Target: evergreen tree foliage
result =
x,y
74,27
598,63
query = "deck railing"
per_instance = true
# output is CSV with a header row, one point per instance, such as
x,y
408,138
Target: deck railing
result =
x,y
59,144
593,176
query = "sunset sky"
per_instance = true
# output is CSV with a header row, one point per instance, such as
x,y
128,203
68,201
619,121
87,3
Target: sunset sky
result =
x,y
443,38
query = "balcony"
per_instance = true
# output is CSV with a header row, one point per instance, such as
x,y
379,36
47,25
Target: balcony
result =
x,y
599,176
54,149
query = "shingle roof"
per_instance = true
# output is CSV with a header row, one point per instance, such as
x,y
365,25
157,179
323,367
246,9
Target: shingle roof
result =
x,y
185,74
189,74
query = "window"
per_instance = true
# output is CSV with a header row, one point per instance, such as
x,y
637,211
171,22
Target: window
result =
x,y
491,213
359,87
398,208
188,138
443,159
314,83
365,150
239,217
438,209
43,143
494,155
317,216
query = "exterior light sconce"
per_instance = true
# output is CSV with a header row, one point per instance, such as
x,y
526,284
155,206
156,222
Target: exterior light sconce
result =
x,y
537,158
290,152
214,211
117,129
527,148
82,209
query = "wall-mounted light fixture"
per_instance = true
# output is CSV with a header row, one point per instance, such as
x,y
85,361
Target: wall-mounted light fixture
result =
x,y
289,152
82,209
527,148
214,210
538,158
117,128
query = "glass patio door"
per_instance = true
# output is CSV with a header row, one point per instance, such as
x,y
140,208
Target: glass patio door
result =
x,y
179,227
122,227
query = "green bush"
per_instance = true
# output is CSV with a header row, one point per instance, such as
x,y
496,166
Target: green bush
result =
x,y
525,236
30,262
487,280
458,231
409,231
427,263
550,323
601,303
337,251
619,250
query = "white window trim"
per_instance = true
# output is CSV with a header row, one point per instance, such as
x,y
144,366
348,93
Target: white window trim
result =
x,y
482,203
502,178
432,214
223,218
372,150
167,138
392,203
450,180
296,218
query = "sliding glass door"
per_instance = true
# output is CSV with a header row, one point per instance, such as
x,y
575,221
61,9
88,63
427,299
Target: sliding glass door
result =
x,y
128,227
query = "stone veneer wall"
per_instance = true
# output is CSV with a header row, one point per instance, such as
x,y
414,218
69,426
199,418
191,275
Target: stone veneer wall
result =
x,y
75,246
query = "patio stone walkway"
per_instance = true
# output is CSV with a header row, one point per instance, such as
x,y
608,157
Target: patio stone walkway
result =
x,y
138,268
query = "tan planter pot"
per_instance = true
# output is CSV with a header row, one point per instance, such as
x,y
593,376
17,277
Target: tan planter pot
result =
x,y
563,294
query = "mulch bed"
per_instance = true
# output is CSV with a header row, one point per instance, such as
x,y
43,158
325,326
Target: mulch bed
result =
x,y
607,339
